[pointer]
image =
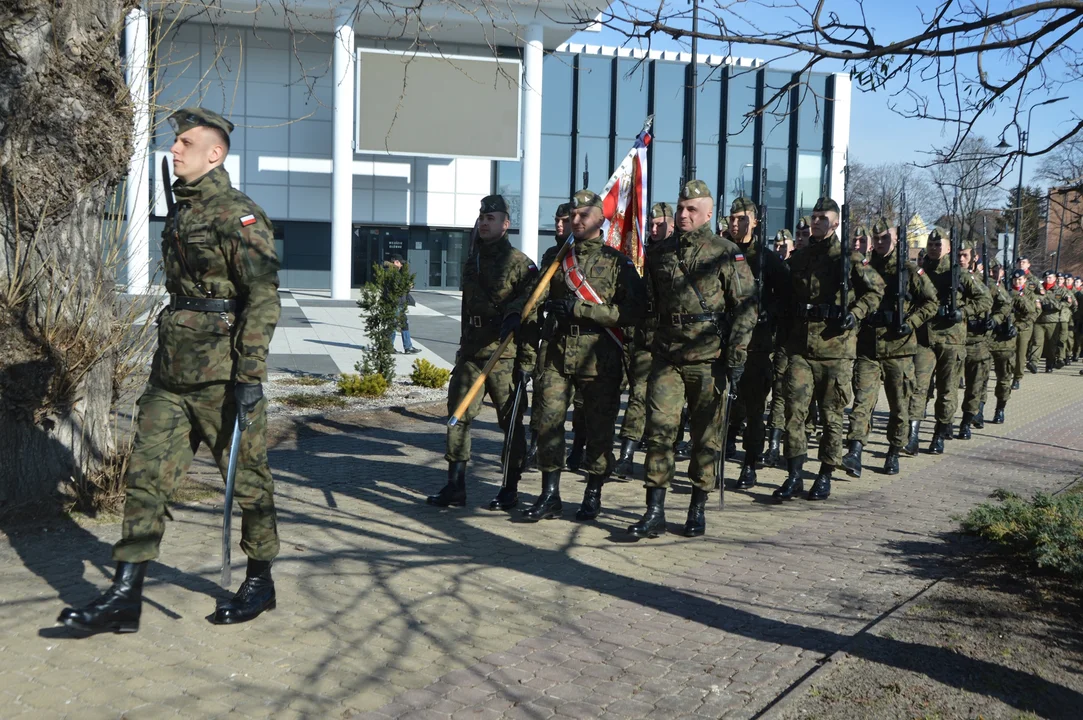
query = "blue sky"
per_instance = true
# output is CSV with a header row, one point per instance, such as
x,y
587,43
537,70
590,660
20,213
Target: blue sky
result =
x,y
878,134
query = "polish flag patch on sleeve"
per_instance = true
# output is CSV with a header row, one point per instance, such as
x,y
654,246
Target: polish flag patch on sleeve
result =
x,y
248,220
739,257
921,271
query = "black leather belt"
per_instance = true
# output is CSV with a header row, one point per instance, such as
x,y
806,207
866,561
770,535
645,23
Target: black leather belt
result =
x,y
577,330
211,305
819,312
477,321
976,327
678,319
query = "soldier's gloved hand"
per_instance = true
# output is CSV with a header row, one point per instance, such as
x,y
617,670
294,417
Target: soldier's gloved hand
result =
x,y
510,324
563,308
1013,332
734,375
521,375
956,317
990,324
849,322
247,396
905,329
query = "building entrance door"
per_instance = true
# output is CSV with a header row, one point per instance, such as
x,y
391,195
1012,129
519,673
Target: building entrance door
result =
x,y
419,266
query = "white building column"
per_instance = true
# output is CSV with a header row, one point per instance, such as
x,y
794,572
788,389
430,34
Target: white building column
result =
x,y
137,194
342,143
532,122
840,138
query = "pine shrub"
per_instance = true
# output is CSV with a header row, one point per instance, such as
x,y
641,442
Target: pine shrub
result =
x,y
371,385
428,375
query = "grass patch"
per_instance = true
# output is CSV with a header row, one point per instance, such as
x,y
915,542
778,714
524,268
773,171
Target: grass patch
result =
x,y
311,401
305,381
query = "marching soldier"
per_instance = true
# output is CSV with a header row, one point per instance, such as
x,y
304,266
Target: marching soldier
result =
x,y
886,345
979,335
1064,327
635,415
497,281
822,346
941,343
595,292
1045,328
221,272
1025,310
1077,347
703,297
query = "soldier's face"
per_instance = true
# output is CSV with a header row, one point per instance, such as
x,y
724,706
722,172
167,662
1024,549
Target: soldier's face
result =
x,y
800,238
964,258
784,248
741,226
1024,265
884,243
586,222
196,152
824,223
693,213
1060,282
661,228
937,249
1018,282
492,226
861,244
561,225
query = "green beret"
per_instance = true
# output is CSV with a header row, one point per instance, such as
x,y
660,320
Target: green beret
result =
x,y
586,198
826,204
695,189
783,235
967,245
564,210
743,204
935,236
661,210
804,222
493,204
880,227
187,118
861,231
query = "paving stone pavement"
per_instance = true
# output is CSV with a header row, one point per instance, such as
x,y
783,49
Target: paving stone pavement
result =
x,y
390,608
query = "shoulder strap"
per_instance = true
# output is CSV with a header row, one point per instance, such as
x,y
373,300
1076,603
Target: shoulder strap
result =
x,y
691,280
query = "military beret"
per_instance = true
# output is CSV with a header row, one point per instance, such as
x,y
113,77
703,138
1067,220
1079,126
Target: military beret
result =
x,y
804,222
695,189
661,210
1023,257
563,210
935,236
826,204
783,235
743,204
880,227
1019,273
967,245
861,231
1047,273
493,204
185,119
586,198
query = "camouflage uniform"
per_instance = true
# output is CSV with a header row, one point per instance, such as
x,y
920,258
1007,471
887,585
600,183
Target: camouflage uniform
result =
x,y
979,336
1003,346
1045,328
1077,347
218,245
1064,327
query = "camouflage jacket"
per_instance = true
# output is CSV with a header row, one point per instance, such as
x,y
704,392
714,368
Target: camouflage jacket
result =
x,y
218,244
1069,304
776,286
582,346
497,281
1024,311
1000,312
1052,302
717,283
816,275
644,331
878,337
972,299
1034,283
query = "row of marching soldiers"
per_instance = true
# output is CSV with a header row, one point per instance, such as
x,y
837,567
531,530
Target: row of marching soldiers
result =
x,y
715,317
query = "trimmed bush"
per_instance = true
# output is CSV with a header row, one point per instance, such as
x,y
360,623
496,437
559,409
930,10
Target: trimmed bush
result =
x,y
371,385
428,375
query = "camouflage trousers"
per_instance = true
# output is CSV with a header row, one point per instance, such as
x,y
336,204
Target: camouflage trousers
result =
x,y
897,377
634,425
937,368
1064,340
1004,367
500,386
169,428
1045,342
670,385
755,386
976,375
780,363
1022,348
828,383
601,403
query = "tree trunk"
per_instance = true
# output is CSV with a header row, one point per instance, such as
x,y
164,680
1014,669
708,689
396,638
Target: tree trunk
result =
x,y
65,136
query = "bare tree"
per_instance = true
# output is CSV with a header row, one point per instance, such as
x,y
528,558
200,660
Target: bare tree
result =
x,y
1064,166
966,181
874,190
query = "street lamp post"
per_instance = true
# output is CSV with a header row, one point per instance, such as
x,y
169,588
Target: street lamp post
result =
x,y
693,81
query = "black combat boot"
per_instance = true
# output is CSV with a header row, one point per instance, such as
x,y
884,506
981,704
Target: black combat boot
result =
x,y
256,594
747,478
575,457
979,420
1032,367
936,447
998,414
454,493
964,427
1015,384
949,432
821,487
1048,365
1058,364
794,483
851,461
548,504
117,610
911,447
774,447
891,462
625,465
592,498
653,522
696,524
530,460
508,497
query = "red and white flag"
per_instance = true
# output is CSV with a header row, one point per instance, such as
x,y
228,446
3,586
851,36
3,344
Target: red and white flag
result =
x,y
625,202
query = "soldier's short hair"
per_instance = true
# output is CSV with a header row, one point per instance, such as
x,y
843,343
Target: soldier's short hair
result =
x,y
743,204
187,118
826,204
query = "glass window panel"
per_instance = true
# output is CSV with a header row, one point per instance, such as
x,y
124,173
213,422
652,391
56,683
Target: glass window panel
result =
x,y
778,174
596,151
742,100
668,100
708,105
557,74
738,175
556,167
665,171
810,167
631,99
547,209
776,119
707,166
810,125
595,91
509,184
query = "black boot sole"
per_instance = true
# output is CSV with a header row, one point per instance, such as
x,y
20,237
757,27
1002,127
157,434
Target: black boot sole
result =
x,y
497,506
231,620
697,531
647,534
549,514
854,472
586,516
121,628
436,502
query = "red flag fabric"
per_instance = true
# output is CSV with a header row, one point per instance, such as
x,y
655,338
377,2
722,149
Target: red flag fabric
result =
x,y
625,203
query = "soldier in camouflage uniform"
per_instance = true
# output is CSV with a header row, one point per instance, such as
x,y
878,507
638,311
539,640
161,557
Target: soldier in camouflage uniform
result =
x,y
777,420
1077,346
703,296
886,346
1025,310
635,415
941,342
822,345
221,271
1045,328
497,281
802,233
1025,340
595,292
979,336
756,383
1064,327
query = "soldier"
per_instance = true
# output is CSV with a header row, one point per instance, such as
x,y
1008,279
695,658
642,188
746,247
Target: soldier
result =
x,y
221,272
757,382
886,345
1032,280
497,281
635,415
1064,327
777,418
941,342
979,335
595,292
702,290
1025,310
1077,346
822,346
1045,328
802,233
784,244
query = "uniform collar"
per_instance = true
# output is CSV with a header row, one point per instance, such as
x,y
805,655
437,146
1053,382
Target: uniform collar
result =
x,y
692,237
208,185
588,245
493,247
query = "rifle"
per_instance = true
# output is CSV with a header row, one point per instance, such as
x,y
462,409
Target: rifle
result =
x,y
902,251
514,422
845,242
952,301
720,458
761,261
985,258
